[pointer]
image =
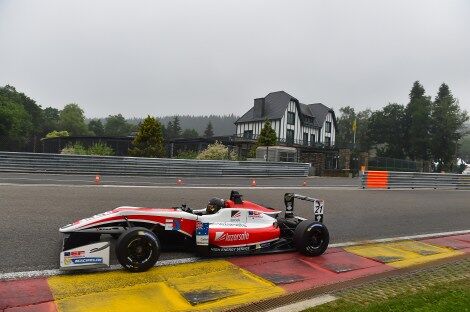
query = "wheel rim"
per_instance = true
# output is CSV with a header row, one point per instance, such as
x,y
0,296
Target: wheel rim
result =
x,y
139,250
316,239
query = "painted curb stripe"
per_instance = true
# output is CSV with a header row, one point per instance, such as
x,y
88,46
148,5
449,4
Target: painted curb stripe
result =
x,y
196,286
402,254
21,293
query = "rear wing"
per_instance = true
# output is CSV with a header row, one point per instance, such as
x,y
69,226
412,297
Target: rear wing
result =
x,y
318,205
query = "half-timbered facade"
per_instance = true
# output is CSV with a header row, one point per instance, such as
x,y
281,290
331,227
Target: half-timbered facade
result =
x,y
295,123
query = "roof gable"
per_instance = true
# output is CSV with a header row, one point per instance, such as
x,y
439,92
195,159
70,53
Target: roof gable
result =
x,y
275,106
320,111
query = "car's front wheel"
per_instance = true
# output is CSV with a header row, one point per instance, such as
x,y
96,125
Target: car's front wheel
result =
x,y
311,238
137,249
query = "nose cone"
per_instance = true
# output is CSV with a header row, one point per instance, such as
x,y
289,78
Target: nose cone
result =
x,y
66,228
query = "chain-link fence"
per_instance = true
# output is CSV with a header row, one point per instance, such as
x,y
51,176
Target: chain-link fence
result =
x,y
393,164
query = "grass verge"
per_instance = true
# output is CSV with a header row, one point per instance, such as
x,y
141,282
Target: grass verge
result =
x,y
454,296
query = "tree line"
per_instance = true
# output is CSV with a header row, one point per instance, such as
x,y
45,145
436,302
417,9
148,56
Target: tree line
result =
x,y
23,123
424,129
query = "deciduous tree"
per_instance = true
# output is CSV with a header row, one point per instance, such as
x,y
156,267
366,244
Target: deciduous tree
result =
x,y
345,134
72,119
387,127
51,119
96,126
15,126
116,125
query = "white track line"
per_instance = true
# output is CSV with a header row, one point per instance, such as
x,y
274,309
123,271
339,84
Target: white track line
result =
x,y
305,304
114,267
400,238
45,273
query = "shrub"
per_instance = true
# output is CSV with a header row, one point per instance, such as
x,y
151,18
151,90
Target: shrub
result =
x,y
74,149
57,134
100,149
187,155
217,151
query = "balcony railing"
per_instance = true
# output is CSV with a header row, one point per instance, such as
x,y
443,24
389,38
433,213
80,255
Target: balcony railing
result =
x,y
297,143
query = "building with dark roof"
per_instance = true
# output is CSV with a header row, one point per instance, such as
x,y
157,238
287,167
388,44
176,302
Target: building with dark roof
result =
x,y
295,123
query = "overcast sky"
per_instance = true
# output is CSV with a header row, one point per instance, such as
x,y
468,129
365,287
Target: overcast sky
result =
x,y
203,57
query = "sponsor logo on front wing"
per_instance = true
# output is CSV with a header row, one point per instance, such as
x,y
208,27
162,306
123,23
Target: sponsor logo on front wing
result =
x,y
83,260
222,236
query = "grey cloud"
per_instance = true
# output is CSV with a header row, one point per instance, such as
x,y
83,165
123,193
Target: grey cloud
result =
x,y
202,57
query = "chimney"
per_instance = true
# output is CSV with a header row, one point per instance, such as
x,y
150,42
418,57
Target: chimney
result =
x,y
259,108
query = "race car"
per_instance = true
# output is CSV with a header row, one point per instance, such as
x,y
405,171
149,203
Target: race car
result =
x,y
225,227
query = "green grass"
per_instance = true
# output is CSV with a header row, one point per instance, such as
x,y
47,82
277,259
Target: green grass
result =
x,y
446,297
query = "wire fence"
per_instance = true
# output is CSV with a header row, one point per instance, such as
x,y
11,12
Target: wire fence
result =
x,y
393,164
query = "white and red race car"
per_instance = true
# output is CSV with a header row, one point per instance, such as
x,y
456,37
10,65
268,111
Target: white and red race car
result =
x,y
225,227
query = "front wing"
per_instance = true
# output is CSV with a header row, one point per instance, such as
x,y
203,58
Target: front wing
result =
x,y
89,256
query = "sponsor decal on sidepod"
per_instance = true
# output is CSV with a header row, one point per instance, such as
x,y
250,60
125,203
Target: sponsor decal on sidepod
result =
x,y
219,236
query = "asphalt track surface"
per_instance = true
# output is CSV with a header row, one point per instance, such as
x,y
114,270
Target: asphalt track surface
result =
x,y
31,214
79,179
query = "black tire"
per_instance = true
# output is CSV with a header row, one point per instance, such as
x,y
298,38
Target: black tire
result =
x,y
137,249
311,238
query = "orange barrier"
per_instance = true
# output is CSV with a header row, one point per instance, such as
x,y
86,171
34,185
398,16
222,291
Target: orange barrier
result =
x,y
376,179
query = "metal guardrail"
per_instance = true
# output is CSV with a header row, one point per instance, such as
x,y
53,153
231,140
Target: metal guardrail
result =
x,y
413,180
113,165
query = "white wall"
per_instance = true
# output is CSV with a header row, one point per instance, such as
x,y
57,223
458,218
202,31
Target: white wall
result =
x,y
332,135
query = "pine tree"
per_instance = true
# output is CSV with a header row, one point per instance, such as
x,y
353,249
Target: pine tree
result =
x,y
209,132
447,123
418,123
176,127
267,136
169,134
149,139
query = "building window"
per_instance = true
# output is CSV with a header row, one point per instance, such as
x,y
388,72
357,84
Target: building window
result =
x,y
248,134
312,139
327,126
327,141
286,156
290,136
305,141
290,118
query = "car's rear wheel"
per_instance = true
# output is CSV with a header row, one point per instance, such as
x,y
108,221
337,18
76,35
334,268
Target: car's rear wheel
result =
x,y
311,238
137,249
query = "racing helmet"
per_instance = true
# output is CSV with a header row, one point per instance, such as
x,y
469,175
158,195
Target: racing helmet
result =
x,y
214,205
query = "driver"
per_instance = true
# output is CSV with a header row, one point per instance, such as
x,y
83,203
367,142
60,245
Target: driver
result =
x,y
214,205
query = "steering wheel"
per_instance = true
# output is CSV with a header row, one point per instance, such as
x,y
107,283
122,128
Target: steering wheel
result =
x,y
185,208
